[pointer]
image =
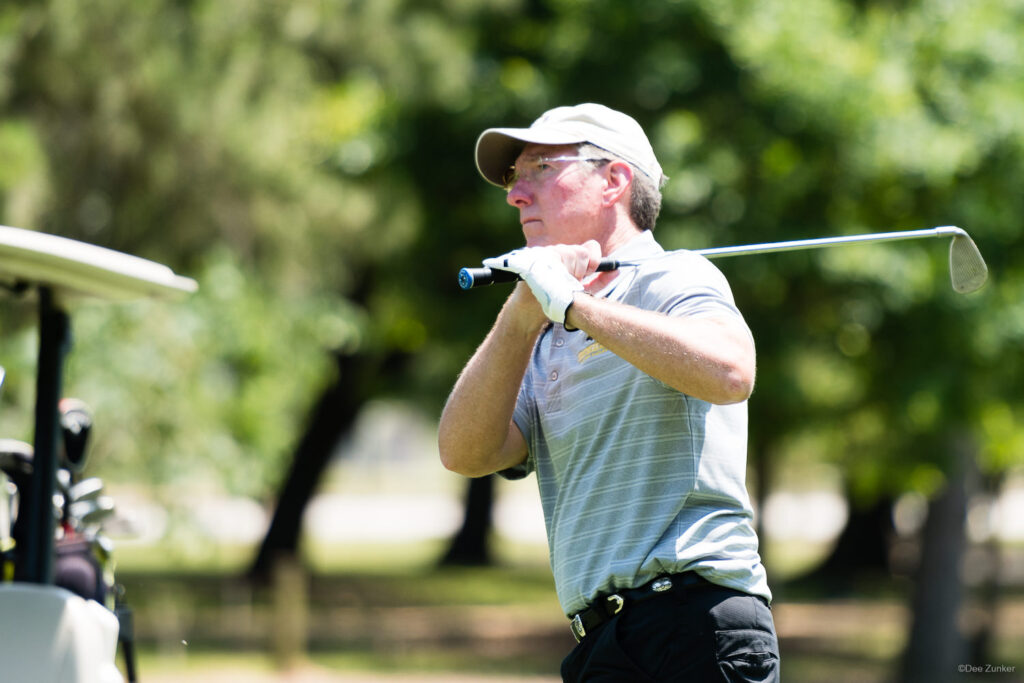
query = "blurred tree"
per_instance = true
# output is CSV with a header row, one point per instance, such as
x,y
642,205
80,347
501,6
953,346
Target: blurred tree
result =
x,y
177,131
471,544
916,100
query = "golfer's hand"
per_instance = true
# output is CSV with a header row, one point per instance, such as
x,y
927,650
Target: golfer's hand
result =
x,y
546,272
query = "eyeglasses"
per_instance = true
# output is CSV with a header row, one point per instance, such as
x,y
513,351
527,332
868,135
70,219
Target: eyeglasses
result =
x,y
535,170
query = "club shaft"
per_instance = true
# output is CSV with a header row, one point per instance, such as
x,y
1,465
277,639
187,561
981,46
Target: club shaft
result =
x,y
796,245
477,277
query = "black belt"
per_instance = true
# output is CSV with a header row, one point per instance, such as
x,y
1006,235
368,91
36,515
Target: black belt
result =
x,y
606,607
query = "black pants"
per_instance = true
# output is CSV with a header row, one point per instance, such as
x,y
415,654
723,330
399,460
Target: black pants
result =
x,y
709,634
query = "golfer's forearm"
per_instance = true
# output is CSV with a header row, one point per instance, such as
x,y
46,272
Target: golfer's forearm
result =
x,y
476,435
708,358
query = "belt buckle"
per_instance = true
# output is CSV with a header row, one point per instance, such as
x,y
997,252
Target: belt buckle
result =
x,y
577,628
661,585
615,604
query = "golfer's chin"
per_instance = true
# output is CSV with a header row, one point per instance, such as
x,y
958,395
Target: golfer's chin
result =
x,y
538,239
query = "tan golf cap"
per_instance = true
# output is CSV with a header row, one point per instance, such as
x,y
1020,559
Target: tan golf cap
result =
x,y
497,148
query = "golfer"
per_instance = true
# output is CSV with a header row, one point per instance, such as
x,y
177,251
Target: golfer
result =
x,y
625,392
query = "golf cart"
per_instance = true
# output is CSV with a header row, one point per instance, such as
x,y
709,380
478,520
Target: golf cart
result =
x,y
49,633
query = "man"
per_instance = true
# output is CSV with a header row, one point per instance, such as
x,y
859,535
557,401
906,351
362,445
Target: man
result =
x,y
625,392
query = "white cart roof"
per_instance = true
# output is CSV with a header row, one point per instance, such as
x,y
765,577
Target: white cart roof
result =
x,y
75,269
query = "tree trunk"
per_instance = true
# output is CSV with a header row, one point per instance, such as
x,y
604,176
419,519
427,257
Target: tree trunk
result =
x,y
861,550
470,546
333,415
989,592
763,469
936,645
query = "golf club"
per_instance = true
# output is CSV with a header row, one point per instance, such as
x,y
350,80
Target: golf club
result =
x,y
91,512
86,489
75,427
967,269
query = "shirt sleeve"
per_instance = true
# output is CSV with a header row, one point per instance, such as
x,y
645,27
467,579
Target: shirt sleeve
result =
x,y
687,284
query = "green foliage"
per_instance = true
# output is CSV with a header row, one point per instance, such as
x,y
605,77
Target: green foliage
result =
x,y
920,113
217,386
208,392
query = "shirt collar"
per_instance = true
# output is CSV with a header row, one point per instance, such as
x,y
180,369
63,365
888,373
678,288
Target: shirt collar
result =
x,y
640,246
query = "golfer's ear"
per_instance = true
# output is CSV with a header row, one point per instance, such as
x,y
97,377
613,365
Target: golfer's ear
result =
x,y
619,177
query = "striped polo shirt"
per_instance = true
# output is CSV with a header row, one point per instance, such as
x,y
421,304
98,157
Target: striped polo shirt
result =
x,y
637,479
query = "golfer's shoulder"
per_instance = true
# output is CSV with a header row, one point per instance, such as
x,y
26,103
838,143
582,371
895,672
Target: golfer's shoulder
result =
x,y
680,269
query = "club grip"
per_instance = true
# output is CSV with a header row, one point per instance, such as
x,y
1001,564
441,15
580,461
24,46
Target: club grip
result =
x,y
478,277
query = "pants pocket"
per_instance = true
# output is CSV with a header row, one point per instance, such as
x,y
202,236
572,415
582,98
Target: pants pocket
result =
x,y
601,658
747,655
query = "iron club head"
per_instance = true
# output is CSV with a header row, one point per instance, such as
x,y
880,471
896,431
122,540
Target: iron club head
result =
x,y
967,269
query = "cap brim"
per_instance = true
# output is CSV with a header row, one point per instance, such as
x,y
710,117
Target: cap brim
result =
x,y
498,148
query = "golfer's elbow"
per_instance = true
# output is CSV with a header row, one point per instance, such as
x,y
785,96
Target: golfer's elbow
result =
x,y
737,386
456,456
450,456
736,381
737,373
476,454
451,459
463,463
466,470
726,364
726,383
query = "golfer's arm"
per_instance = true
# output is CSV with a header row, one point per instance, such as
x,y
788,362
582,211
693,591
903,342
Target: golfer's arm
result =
x,y
476,434
709,357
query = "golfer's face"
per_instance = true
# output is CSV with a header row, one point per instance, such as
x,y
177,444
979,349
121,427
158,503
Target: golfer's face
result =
x,y
558,201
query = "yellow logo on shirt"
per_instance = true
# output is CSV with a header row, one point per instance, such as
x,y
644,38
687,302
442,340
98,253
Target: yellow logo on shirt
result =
x,y
590,351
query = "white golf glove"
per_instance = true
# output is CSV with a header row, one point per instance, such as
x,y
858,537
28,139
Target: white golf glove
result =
x,y
542,269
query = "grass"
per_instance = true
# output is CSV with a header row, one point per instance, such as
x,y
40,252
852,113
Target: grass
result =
x,y
470,621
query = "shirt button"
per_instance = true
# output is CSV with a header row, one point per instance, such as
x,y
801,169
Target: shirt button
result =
x,y
559,343
554,375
